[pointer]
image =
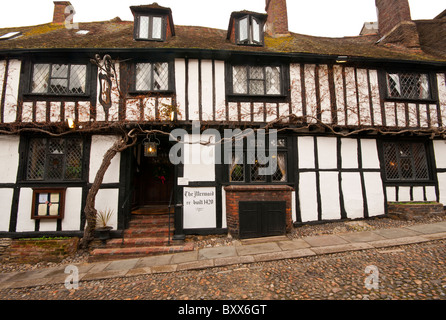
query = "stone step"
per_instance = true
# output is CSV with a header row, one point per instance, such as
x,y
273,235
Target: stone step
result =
x,y
104,254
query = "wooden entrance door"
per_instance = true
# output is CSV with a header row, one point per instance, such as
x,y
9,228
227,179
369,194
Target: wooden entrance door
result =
x,y
154,178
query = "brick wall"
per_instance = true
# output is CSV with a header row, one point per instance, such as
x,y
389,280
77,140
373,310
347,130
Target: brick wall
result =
x,y
33,251
59,15
391,13
277,23
414,211
235,194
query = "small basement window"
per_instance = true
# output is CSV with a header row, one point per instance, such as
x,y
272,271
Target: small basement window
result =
x,y
48,203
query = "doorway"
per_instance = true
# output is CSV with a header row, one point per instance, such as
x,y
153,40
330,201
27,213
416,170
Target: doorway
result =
x,y
153,177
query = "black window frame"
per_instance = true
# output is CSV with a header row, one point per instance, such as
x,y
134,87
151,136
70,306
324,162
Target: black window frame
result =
x,y
430,76
84,161
136,32
399,163
247,172
250,31
170,82
88,76
240,97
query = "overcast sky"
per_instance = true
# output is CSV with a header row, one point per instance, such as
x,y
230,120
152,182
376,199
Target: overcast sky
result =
x,y
332,18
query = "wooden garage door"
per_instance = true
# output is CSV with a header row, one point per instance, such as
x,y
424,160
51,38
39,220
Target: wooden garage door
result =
x,y
262,218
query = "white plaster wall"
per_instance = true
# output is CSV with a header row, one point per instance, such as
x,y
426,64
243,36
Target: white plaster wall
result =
x,y
2,74
442,95
330,195
5,208
193,90
12,90
293,206
327,152
9,158
24,221
391,194
431,195
206,90
369,151
349,153
180,85
99,146
404,194
108,199
440,153
223,208
352,192
307,196
296,90
306,152
73,209
114,109
199,159
418,194
442,187
375,193
220,91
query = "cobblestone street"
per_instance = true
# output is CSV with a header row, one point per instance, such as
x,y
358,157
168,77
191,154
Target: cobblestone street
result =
x,y
415,271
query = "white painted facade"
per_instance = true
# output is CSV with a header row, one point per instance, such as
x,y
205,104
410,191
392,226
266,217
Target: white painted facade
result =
x,y
336,177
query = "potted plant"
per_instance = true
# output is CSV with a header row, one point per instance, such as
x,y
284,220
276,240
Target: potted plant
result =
x,y
102,226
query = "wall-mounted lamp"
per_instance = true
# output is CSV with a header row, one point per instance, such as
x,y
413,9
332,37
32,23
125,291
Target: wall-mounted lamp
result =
x,y
150,147
70,123
341,59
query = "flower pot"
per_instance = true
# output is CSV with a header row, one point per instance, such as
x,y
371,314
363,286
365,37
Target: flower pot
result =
x,y
104,233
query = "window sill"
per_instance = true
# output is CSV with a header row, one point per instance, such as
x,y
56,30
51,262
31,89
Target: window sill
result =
x,y
256,98
419,101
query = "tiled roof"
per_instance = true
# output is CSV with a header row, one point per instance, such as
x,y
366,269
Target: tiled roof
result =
x,y
117,34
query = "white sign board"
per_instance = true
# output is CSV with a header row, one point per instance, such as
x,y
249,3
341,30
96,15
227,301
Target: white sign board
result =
x,y
199,210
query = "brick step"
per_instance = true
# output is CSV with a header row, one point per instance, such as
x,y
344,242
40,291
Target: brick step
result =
x,y
138,242
144,232
150,222
152,216
104,254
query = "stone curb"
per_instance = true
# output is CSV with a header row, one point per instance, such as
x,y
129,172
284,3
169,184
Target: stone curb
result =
x,y
255,252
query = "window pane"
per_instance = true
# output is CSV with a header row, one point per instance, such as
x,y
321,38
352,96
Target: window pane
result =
x,y
55,167
240,80
160,76
255,30
78,76
36,159
73,170
143,77
256,87
40,78
59,86
157,28
237,169
256,73
281,172
59,71
143,27
420,162
272,80
408,86
243,29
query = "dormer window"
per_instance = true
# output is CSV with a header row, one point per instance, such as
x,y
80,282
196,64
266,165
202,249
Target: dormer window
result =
x,y
152,23
151,28
250,31
246,28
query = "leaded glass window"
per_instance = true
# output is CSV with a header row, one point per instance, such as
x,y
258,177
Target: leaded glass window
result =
x,y
152,76
54,159
59,79
405,161
256,80
414,86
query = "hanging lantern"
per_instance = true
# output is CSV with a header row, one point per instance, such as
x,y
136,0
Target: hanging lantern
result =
x,y
150,147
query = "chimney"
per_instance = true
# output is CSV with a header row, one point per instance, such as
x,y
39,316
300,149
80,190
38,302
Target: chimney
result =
x,y
395,24
277,22
61,13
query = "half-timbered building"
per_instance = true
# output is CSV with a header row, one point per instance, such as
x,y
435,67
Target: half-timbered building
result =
x,y
360,120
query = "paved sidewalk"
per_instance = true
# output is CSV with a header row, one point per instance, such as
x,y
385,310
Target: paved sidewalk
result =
x,y
248,251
